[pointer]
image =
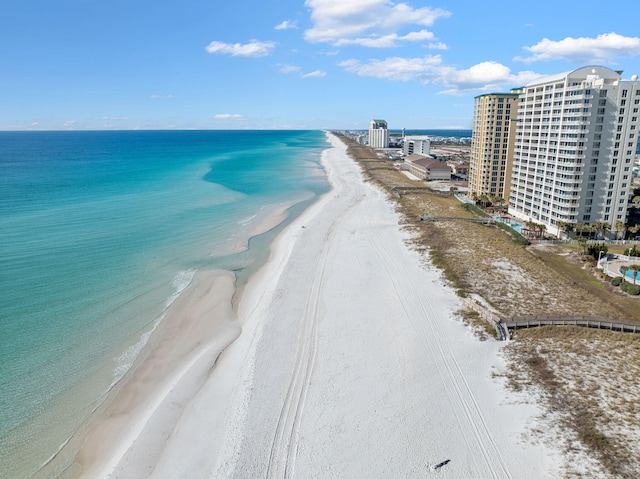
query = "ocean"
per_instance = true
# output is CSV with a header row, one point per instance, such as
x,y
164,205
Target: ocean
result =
x,y
99,233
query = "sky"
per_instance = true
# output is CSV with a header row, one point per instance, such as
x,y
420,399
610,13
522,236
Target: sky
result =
x,y
290,64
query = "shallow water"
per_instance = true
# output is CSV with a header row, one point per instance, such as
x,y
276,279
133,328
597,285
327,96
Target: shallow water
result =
x,y
99,233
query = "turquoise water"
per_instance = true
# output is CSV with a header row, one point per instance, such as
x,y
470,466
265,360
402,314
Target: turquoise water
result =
x,y
99,231
631,274
515,226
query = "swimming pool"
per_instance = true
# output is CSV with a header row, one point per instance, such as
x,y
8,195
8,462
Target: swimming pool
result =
x,y
507,221
630,274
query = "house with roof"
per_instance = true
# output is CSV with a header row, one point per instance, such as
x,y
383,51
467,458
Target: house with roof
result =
x,y
427,168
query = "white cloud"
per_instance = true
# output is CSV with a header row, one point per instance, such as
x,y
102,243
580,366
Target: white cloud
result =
x,y
229,116
115,118
315,74
603,49
429,70
361,22
437,46
288,68
254,48
385,41
161,97
286,25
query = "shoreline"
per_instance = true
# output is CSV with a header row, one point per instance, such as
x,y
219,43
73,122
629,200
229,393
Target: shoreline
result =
x,y
345,364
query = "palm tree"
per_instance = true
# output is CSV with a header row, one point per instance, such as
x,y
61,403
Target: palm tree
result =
x,y
582,241
623,270
580,227
542,228
636,271
531,226
598,227
621,227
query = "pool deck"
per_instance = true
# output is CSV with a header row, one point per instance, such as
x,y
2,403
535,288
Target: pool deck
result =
x,y
611,267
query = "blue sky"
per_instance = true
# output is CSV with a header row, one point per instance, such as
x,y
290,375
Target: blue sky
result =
x,y
249,64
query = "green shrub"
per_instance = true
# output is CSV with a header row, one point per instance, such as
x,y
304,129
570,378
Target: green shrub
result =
x,y
633,289
616,281
633,251
595,250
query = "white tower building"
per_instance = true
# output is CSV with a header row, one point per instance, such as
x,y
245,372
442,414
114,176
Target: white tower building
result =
x,y
378,134
574,149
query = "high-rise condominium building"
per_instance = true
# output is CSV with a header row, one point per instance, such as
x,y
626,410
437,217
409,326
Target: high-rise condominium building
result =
x,y
489,167
574,148
378,134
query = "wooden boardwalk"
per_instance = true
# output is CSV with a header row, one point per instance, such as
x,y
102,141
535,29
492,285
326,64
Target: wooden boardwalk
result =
x,y
485,220
620,325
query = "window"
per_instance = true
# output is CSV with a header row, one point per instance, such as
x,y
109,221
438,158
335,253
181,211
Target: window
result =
x,y
603,93
624,93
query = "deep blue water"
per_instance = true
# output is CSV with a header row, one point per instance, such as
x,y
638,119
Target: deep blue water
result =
x,y
98,231
443,133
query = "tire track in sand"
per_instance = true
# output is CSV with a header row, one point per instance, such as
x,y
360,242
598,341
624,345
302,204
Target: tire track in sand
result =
x,y
285,443
453,378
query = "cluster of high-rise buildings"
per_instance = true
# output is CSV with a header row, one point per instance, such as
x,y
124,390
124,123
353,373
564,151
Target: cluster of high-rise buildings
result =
x,y
559,150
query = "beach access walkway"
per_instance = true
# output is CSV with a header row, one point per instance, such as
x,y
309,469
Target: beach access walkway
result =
x,y
506,326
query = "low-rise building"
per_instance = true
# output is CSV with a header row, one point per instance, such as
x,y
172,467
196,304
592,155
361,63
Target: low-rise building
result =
x,y
416,144
427,168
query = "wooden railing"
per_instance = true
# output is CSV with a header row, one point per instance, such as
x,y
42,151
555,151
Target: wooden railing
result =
x,y
620,325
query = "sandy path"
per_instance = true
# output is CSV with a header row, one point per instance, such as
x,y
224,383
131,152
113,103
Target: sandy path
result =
x,y
351,364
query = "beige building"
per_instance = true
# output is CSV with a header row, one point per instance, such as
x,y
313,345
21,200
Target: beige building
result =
x,y
427,168
491,143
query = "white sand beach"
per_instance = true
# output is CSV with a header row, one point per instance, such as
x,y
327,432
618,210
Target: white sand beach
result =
x,y
350,363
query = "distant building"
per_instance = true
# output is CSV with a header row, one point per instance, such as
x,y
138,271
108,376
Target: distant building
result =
x,y
378,134
576,141
416,144
427,168
492,144
459,168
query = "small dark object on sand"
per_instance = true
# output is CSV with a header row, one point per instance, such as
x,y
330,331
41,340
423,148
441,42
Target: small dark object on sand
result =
x,y
443,463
